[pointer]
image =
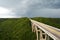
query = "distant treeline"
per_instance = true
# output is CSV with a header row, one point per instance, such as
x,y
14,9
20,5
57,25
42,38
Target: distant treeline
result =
x,y
50,21
20,28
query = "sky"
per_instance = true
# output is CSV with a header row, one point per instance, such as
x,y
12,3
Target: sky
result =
x,y
29,8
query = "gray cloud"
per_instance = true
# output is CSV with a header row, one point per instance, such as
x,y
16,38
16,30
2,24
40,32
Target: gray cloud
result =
x,y
31,8
9,3
45,8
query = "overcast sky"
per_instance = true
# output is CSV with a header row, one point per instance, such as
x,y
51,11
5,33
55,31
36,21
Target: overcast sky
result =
x,y
29,8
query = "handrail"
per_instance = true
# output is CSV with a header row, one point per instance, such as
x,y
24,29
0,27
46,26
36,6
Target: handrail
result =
x,y
49,30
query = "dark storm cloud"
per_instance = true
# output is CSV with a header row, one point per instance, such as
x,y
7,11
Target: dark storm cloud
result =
x,y
45,8
31,8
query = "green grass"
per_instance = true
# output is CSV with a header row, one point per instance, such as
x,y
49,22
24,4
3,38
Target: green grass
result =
x,y
55,22
16,29
20,28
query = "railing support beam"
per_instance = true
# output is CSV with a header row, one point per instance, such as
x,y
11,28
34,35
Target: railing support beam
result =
x,y
38,31
43,36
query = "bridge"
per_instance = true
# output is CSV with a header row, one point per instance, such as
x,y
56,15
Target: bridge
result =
x,y
44,31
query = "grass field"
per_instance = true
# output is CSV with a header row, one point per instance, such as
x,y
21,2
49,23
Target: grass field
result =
x,y
20,28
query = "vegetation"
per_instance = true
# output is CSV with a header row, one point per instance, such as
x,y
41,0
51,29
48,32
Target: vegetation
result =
x,y
20,28
55,22
16,29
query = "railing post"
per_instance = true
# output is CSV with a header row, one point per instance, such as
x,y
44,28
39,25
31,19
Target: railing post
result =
x,y
36,32
40,35
43,36
33,27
